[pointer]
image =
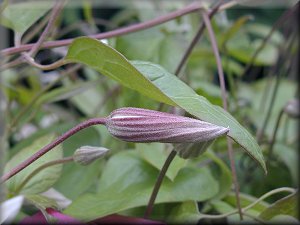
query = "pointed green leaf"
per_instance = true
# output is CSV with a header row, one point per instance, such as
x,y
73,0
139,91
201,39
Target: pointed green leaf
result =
x,y
111,63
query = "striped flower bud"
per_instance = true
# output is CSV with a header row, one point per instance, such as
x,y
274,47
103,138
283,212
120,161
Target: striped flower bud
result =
x,y
143,125
88,154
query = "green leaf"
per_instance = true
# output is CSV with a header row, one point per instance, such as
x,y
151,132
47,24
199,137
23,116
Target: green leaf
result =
x,y
285,206
156,154
155,82
20,16
127,182
111,63
41,202
42,180
186,213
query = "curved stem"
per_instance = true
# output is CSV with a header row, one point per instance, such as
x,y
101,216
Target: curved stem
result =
x,y
268,194
225,106
51,66
47,148
158,183
40,168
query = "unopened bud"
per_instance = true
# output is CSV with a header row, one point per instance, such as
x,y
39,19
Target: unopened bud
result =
x,y
292,108
87,154
143,125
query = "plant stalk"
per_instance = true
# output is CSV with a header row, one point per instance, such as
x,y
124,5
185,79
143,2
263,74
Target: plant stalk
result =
x,y
114,33
158,183
47,148
225,106
40,168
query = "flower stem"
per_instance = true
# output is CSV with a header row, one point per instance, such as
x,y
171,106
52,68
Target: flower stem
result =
x,y
158,183
40,168
225,106
47,148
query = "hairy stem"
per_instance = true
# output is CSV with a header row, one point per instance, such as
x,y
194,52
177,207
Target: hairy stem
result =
x,y
158,183
47,148
225,106
40,168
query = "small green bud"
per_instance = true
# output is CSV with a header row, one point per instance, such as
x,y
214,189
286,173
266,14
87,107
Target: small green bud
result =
x,y
87,154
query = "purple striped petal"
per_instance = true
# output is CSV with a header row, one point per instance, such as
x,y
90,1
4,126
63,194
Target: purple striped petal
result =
x,y
143,125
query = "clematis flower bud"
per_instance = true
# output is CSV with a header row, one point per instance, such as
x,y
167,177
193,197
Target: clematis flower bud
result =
x,y
87,154
143,125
